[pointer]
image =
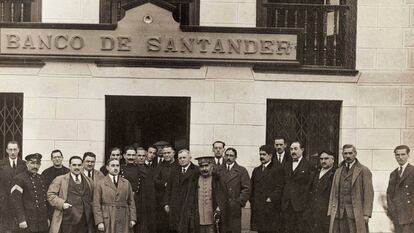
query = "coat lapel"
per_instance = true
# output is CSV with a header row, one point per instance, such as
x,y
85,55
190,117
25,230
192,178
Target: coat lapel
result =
x,y
405,174
357,171
109,183
233,173
65,186
298,167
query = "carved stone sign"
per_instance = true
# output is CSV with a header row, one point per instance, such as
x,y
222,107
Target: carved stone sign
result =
x,y
149,32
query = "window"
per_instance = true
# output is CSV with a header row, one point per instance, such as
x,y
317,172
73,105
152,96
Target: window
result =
x,y
314,123
329,28
18,11
11,119
184,11
144,120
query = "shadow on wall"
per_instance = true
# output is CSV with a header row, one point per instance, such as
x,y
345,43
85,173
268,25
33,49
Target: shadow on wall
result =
x,y
383,201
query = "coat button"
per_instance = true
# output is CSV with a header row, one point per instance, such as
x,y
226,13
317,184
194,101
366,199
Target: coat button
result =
x,y
408,202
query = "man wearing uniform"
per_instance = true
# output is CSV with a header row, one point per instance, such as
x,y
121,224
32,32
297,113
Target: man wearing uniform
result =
x,y
399,192
71,196
28,196
89,170
9,167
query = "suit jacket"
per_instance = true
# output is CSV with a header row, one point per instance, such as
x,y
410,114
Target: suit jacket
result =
x,y
286,158
237,186
177,188
57,195
400,196
362,195
267,183
296,185
7,174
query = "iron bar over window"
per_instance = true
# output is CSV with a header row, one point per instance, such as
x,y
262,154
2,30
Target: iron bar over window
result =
x,y
18,11
11,119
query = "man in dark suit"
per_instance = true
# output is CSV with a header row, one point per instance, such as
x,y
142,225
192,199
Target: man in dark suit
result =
x,y
267,186
236,183
151,158
399,192
218,150
10,166
29,197
281,155
319,192
297,175
177,187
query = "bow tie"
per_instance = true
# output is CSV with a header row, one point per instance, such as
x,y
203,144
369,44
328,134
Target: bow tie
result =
x,y
295,160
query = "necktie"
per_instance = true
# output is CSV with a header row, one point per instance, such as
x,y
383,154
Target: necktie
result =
x,y
90,174
280,158
228,168
347,166
400,171
115,183
14,164
77,181
218,162
295,160
183,171
263,168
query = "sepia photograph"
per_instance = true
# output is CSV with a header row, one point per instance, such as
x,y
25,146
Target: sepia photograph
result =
x,y
206,116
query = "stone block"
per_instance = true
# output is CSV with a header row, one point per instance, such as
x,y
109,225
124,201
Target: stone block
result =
x,y
384,160
347,136
238,92
386,77
409,37
231,73
377,138
366,58
392,59
91,130
39,108
378,96
199,150
71,148
389,38
380,222
411,16
390,118
67,69
408,138
43,147
28,71
410,117
246,13
367,2
380,180
46,163
90,10
367,16
365,157
410,58
87,109
390,2
50,129
250,114
52,10
212,113
199,91
247,156
348,117
408,96
365,117
393,16
245,135
201,134
218,12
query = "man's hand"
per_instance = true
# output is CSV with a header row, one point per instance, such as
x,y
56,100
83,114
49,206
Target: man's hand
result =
x,y
101,227
23,225
217,214
268,200
167,209
366,218
48,223
66,206
132,224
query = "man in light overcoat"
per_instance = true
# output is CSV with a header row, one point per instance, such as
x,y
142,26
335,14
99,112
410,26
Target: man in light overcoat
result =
x,y
352,195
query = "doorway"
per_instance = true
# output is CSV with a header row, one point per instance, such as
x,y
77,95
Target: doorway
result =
x,y
144,120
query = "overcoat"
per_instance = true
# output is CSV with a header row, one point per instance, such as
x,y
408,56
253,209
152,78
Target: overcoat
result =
x,y
114,206
189,216
400,196
57,195
177,188
362,195
236,183
7,214
267,183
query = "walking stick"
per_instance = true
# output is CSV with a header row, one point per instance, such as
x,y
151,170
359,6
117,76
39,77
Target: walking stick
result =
x,y
217,222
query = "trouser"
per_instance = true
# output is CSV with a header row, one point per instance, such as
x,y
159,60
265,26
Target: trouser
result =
x,y
405,228
293,220
207,228
80,227
344,225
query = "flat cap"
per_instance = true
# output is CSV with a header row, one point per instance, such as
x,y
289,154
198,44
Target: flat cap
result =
x,y
35,156
205,159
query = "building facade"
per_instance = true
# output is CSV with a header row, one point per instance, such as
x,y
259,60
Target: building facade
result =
x,y
90,106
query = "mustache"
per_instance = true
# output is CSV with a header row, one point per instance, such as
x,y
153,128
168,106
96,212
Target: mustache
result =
x,y
262,159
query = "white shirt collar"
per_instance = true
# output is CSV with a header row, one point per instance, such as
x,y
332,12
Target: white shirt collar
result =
x,y
74,177
299,159
86,172
267,164
352,164
282,154
11,161
219,160
403,166
112,177
230,166
186,167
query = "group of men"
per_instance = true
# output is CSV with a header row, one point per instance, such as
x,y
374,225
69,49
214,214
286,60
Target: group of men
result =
x,y
159,190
